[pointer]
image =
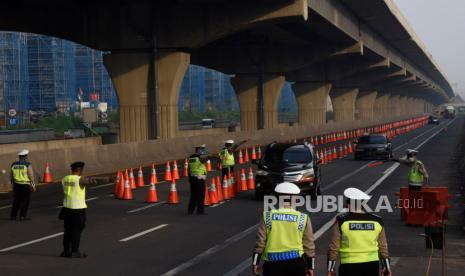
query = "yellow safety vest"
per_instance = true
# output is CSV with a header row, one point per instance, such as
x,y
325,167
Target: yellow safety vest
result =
x,y
227,158
196,167
19,173
284,233
75,196
415,177
359,239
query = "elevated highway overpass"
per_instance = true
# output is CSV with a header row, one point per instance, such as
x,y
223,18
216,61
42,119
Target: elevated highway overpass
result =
x,y
361,53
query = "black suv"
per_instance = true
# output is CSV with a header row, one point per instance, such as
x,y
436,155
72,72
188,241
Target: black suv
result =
x,y
288,162
375,146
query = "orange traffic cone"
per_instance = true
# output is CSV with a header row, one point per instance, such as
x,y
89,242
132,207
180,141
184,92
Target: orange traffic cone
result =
x,y
47,174
175,170
259,153
206,201
132,180
237,181
232,186
140,177
341,152
254,154
251,181
153,175
120,192
243,181
168,172
351,150
322,157
173,195
152,196
225,188
127,194
241,160
213,192
219,190
246,155
185,171
209,165
117,179
334,154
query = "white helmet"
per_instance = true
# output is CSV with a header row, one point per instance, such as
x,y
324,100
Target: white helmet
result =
x,y
24,152
229,142
356,194
287,188
411,151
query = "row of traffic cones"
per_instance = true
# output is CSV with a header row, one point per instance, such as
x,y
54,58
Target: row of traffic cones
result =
x,y
256,154
219,191
332,153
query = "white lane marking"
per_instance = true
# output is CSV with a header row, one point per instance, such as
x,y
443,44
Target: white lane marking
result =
x,y
89,199
246,263
143,232
394,260
210,251
31,242
146,207
101,186
5,207
218,204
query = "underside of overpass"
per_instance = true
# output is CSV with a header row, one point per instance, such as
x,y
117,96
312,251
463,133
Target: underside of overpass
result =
x,y
360,53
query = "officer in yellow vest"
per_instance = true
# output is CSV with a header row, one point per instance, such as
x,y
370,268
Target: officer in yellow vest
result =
x,y
359,239
22,180
197,178
226,156
285,239
417,174
73,212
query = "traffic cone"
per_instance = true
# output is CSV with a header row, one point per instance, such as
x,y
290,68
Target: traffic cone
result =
x,y
341,152
213,192
206,201
351,150
152,196
173,195
246,155
185,171
251,180
168,172
120,192
115,191
334,153
127,195
322,157
175,170
237,182
47,174
232,186
153,175
140,177
345,150
209,165
259,153
225,188
219,190
132,180
241,159
243,181
254,154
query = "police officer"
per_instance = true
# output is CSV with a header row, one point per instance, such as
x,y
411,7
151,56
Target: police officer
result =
x,y
417,174
22,180
226,156
285,239
359,239
73,212
197,178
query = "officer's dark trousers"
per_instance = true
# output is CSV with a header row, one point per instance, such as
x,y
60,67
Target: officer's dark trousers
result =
x,y
22,194
365,269
295,267
75,222
197,196
225,172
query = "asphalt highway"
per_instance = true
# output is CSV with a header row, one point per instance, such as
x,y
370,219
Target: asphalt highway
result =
x,y
135,238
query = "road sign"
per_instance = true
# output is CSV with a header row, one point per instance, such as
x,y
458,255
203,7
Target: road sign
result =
x,y
13,121
11,112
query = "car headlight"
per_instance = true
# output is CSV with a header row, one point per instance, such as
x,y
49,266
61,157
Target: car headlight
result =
x,y
262,173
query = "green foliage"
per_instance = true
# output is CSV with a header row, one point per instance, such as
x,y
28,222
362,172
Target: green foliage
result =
x,y
60,123
188,116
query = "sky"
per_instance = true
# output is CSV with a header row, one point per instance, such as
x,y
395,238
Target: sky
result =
x,y
440,24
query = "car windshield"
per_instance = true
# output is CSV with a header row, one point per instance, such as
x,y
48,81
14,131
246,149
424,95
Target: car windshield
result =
x,y
290,154
372,140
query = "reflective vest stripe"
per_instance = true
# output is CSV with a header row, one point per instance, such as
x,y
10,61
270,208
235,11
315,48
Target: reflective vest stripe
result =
x,y
415,177
196,167
227,159
359,241
74,195
19,173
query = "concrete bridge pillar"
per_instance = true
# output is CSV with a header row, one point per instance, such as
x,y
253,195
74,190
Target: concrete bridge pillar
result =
x,y
365,105
381,107
393,106
403,106
246,88
343,100
311,100
131,76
